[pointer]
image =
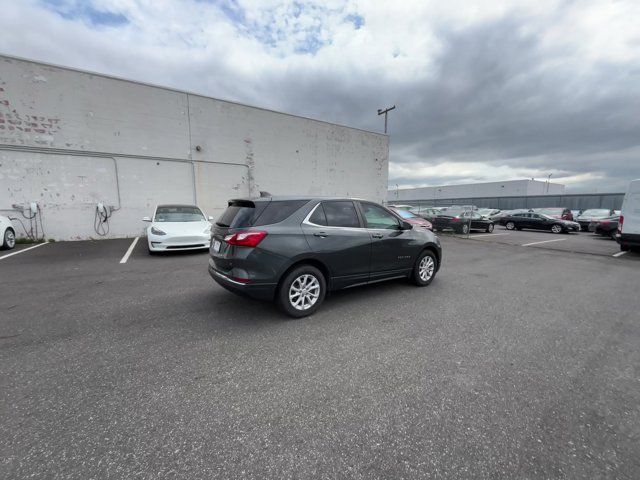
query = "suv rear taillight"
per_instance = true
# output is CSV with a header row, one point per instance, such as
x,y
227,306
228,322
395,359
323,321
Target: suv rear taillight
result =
x,y
620,222
245,239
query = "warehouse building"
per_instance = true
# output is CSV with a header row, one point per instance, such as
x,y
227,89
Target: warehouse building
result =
x,y
75,144
510,188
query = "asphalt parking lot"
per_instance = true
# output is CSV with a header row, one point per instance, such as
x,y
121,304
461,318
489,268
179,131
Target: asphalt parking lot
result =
x,y
575,242
516,362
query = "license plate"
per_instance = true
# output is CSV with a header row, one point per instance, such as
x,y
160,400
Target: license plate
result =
x,y
216,245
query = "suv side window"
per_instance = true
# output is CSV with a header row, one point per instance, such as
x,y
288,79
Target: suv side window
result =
x,y
377,217
341,213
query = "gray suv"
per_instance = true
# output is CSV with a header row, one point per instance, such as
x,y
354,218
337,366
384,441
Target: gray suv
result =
x,y
295,250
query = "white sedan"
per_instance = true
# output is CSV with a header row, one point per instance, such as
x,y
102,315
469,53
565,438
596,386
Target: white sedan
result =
x,y
7,234
178,227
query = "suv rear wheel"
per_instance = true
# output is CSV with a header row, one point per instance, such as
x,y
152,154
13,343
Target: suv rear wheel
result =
x,y
302,291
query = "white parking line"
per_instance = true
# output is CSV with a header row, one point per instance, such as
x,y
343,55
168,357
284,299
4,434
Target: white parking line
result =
x,y
488,235
129,250
544,241
619,254
22,251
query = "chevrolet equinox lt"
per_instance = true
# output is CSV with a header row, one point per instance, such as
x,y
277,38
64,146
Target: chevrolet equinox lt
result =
x,y
295,250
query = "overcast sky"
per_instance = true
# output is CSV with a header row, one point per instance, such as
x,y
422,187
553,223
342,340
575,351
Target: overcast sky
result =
x,y
485,90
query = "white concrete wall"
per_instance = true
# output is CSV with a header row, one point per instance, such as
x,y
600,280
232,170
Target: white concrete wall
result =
x,y
71,139
476,190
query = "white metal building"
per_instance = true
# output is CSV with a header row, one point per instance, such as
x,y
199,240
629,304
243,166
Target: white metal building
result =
x,y
510,188
70,140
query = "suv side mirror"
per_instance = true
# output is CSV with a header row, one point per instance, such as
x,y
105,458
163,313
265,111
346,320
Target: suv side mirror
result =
x,y
406,226
210,218
146,219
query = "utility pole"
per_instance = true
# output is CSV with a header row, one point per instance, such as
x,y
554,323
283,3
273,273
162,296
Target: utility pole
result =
x,y
385,111
548,180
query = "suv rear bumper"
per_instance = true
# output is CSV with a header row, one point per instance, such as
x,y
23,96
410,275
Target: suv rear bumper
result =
x,y
258,291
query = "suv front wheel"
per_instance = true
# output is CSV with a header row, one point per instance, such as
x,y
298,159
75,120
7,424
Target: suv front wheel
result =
x,y
424,269
302,291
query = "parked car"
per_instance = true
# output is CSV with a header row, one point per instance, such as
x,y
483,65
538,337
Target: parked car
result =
x,y
177,227
489,212
561,213
607,227
588,216
403,207
412,218
295,250
628,235
7,233
462,221
538,221
428,213
505,213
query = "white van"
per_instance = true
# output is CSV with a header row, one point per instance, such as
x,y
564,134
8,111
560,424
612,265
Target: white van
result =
x,y
628,235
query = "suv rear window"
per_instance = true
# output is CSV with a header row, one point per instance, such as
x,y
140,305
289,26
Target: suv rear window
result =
x,y
245,213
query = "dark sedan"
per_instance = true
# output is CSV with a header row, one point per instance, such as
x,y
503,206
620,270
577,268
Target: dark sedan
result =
x,y
555,212
462,222
538,221
607,227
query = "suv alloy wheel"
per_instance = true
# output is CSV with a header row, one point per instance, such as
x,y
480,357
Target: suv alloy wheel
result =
x,y
302,291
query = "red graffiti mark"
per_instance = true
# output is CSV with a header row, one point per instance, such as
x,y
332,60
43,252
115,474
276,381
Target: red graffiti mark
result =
x,y
14,121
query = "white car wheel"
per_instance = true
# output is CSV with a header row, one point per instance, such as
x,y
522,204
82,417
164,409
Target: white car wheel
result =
x,y
9,240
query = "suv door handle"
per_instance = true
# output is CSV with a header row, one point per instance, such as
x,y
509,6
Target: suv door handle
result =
x,y
377,235
320,234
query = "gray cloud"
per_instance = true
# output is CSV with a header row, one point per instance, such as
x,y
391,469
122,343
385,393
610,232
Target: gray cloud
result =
x,y
498,96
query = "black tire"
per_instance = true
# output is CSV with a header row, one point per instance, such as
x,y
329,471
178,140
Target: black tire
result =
x,y
613,235
510,225
556,228
490,228
9,239
301,274
624,248
431,266
464,229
